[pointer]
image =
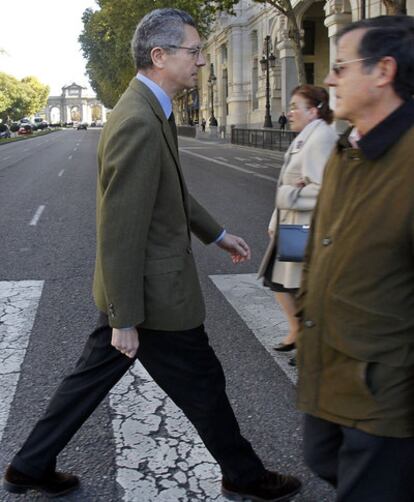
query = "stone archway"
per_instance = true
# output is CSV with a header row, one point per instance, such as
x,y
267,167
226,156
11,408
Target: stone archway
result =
x,y
54,115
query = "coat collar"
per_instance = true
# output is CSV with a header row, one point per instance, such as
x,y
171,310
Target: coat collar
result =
x,y
385,134
145,91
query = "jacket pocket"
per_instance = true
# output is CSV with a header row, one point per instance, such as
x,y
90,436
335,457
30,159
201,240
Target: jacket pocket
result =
x,y
364,333
164,265
164,286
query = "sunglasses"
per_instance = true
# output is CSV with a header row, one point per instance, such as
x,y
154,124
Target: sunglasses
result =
x,y
338,68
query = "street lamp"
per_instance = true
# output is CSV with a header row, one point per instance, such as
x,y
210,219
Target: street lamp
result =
x,y
268,61
211,81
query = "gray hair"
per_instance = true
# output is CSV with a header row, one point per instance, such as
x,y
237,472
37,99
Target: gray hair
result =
x,y
158,28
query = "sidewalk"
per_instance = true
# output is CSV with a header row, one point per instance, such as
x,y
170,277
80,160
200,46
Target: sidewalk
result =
x,y
208,140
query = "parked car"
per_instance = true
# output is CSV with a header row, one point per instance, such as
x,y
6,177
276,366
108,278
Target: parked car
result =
x,y
25,129
82,126
4,131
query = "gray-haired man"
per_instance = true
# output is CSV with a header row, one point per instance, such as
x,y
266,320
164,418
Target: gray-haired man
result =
x,y
356,349
146,284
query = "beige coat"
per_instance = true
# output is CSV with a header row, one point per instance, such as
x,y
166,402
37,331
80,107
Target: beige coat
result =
x,y
306,158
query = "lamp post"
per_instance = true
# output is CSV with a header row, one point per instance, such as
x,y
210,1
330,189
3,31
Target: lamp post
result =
x,y
268,61
211,81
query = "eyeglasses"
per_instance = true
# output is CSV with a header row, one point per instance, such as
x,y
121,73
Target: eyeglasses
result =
x,y
338,68
193,51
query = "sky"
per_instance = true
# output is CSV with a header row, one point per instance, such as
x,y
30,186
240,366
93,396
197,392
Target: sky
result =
x,y
40,38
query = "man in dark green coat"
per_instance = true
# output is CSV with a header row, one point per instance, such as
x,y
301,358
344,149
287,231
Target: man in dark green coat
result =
x,y
356,346
146,285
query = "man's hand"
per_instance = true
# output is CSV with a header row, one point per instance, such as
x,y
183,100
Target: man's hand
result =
x,y
125,340
236,246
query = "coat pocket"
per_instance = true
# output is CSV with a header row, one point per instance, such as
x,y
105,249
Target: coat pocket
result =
x,y
363,332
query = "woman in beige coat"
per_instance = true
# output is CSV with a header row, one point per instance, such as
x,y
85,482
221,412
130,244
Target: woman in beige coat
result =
x,y
297,192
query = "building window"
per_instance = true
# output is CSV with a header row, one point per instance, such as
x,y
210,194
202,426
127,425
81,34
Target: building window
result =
x,y
254,42
224,54
309,28
310,73
226,90
255,84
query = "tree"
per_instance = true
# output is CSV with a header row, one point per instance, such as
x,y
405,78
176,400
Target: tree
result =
x,y
37,94
107,34
285,7
19,98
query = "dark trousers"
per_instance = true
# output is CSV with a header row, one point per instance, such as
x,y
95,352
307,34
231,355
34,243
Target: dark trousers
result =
x,y
182,363
362,467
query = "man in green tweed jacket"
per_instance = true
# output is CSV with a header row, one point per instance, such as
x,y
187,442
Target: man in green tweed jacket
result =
x,y
146,285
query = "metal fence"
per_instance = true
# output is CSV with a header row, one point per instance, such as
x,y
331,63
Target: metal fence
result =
x,y
271,139
187,130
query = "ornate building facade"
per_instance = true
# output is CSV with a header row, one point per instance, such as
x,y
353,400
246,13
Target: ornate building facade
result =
x,y
232,84
74,105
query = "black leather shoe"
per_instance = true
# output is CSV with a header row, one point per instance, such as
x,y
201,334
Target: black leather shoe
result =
x,y
271,487
285,347
292,361
52,485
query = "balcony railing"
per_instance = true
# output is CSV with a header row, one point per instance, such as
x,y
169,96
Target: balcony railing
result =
x,y
271,139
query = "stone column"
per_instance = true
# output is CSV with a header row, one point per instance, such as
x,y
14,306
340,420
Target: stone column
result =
x,y
289,74
336,19
238,100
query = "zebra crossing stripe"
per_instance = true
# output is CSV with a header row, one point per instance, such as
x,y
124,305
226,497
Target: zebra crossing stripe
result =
x,y
159,455
18,305
257,306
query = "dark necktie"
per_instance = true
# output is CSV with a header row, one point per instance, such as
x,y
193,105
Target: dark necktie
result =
x,y
173,127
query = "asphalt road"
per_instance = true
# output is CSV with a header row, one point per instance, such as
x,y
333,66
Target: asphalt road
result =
x,y
47,229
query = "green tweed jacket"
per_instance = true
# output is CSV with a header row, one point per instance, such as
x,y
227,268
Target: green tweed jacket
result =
x,y
145,273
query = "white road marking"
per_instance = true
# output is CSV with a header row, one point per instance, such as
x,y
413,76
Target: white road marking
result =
x,y
257,306
261,166
264,177
258,158
25,149
231,166
6,158
75,149
37,215
70,157
61,172
18,305
159,456
242,159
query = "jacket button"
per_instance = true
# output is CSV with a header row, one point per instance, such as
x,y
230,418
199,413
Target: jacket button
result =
x,y
309,324
189,250
111,310
326,241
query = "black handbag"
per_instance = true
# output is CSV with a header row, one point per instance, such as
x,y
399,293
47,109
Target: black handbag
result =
x,y
291,242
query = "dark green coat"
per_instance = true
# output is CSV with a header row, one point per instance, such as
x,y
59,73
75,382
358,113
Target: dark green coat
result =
x,y
145,273
356,346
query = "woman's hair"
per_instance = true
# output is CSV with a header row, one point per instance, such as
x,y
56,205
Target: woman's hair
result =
x,y
318,97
